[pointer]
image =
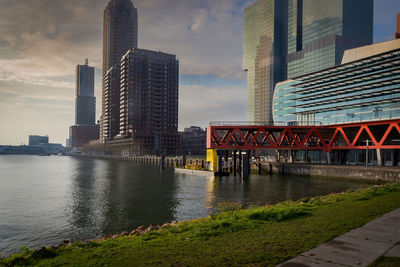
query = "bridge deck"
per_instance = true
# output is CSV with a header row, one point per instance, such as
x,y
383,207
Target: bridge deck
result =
x,y
374,134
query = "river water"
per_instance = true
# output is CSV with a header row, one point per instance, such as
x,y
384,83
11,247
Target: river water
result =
x,y
44,200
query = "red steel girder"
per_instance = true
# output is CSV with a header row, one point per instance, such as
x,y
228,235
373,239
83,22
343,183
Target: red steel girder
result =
x,y
304,137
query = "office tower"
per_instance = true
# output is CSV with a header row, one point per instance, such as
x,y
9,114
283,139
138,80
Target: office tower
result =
x,y
85,128
111,103
397,35
290,38
120,33
85,103
149,100
320,31
264,55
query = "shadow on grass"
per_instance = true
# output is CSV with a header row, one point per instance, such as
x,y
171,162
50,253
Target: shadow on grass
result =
x,y
279,214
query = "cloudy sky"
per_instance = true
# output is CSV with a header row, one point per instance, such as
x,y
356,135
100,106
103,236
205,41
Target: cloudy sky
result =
x,y
41,42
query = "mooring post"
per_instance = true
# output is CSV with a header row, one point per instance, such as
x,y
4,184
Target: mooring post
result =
x,y
220,165
395,157
245,165
226,157
183,161
240,162
290,152
379,157
234,161
162,162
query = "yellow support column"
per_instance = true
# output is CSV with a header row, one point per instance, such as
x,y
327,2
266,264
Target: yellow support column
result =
x,y
212,159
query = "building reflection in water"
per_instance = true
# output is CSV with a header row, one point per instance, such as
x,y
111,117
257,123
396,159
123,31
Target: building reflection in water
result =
x,y
109,197
270,189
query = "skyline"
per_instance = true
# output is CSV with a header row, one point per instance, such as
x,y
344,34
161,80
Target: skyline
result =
x,y
37,59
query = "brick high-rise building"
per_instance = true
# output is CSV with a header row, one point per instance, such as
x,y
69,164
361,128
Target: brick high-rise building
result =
x,y
397,35
120,33
149,100
111,103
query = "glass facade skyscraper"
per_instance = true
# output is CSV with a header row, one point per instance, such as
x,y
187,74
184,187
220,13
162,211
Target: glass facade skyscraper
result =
x,y
264,54
290,38
321,30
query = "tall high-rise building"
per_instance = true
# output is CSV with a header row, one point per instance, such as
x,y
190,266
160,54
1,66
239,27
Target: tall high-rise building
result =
x,y
111,103
85,128
264,54
120,33
289,38
85,103
320,31
397,34
149,99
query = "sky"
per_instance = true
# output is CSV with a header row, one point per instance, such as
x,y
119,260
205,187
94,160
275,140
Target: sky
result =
x,y
42,41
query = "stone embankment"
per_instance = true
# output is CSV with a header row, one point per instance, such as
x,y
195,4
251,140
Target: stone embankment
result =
x,y
358,172
135,232
177,161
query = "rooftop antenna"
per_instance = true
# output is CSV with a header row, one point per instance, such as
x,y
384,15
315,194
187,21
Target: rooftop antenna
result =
x,y
87,61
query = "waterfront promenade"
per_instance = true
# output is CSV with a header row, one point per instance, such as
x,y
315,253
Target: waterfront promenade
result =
x,y
359,247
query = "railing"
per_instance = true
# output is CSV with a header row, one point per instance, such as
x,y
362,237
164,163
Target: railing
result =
x,y
245,136
263,123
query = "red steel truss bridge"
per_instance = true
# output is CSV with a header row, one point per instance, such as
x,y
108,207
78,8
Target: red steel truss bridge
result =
x,y
362,135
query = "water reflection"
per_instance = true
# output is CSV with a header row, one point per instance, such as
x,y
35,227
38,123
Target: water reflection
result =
x,y
44,200
271,189
82,207
108,197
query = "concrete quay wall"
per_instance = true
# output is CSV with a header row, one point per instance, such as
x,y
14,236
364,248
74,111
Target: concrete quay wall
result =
x,y
373,173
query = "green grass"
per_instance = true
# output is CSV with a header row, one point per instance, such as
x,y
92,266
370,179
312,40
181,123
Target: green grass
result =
x,y
386,262
255,236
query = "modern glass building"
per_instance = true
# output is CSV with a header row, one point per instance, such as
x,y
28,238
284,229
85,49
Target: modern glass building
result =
x,y
321,30
264,54
290,38
366,87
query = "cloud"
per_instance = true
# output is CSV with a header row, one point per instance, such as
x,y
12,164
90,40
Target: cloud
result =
x,y
42,41
48,38
201,104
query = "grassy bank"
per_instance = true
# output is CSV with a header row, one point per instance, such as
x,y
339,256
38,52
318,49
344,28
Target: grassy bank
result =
x,y
260,236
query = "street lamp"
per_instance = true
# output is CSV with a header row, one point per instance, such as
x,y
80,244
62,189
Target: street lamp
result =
x,y
366,155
